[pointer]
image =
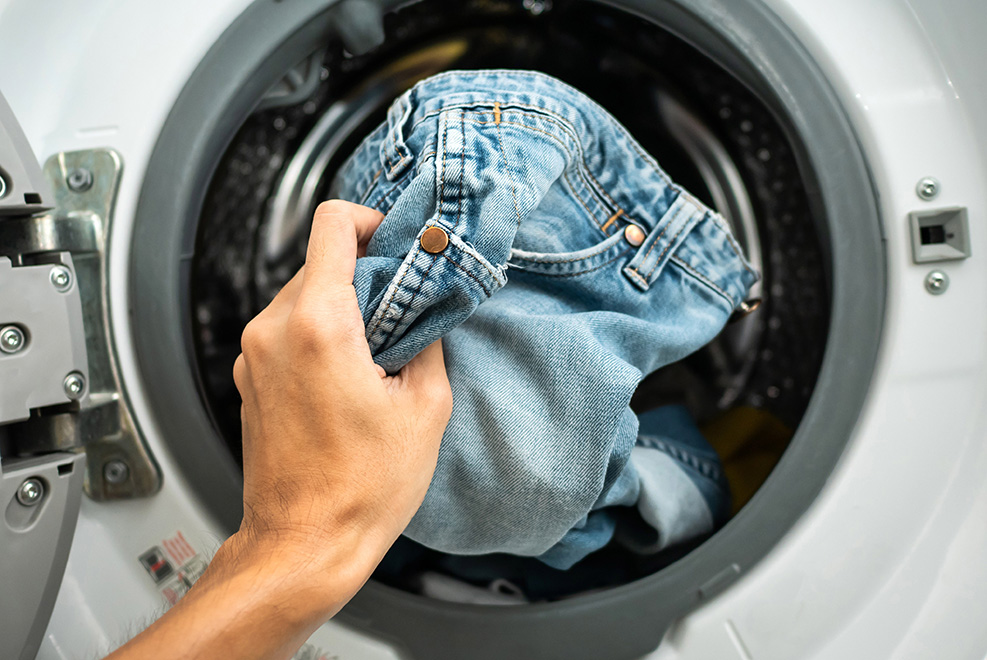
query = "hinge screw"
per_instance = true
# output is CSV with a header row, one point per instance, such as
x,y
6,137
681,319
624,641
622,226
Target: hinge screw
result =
x,y
115,471
61,278
74,385
927,188
79,180
11,339
936,282
30,492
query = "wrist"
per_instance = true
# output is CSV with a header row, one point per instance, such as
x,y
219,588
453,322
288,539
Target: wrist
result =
x,y
311,576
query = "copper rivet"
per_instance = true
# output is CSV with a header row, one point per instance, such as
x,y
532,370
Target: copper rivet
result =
x,y
634,235
745,308
434,240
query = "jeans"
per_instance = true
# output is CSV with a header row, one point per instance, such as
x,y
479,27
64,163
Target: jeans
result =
x,y
559,264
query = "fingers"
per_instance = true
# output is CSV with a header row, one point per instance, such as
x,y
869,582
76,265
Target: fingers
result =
x,y
339,230
425,376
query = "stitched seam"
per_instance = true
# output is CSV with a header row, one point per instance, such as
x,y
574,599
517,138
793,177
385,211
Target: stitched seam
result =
x,y
598,252
462,168
582,272
396,185
566,126
702,278
442,170
371,187
648,160
410,304
631,272
394,292
399,164
507,167
664,229
583,170
655,242
565,173
612,219
705,467
465,251
572,153
469,274
668,246
572,189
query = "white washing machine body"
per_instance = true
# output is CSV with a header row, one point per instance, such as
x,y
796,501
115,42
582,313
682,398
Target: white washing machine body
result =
x,y
887,562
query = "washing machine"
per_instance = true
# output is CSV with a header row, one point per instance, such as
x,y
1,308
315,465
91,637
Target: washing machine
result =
x,y
160,163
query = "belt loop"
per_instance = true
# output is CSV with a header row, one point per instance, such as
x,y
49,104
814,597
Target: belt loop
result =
x,y
394,153
667,235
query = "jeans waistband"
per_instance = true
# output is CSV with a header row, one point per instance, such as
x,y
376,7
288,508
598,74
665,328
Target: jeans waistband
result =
x,y
666,212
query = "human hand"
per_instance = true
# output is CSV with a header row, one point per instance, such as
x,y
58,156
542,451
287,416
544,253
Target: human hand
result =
x,y
337,457
336,453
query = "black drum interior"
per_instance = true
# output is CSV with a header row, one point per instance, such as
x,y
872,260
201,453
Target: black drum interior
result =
x,y
703,126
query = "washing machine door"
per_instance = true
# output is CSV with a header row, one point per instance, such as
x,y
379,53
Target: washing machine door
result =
x,y
43,376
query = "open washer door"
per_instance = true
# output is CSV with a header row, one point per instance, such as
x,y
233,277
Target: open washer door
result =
x,y
235,98
43,368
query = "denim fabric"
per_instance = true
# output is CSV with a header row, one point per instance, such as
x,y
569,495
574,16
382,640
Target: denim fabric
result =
x,y
530,178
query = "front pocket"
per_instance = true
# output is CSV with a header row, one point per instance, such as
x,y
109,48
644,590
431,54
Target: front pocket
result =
x,y
566,264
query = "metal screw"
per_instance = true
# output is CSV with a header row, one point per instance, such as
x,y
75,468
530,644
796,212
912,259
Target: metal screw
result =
x,y
61,278
927,188
116,471
30,492
11,339
537,7
79,180
74,385
936,282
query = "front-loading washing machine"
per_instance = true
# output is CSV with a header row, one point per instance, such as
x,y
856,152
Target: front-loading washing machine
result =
x,y
183,147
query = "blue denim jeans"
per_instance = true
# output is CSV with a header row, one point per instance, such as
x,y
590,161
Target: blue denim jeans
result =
x,y
559,264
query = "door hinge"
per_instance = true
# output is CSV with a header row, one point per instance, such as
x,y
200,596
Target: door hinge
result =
x,y
62,386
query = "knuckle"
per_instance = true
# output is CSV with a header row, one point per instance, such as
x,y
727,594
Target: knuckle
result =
x,y
239,371
254,338
307,331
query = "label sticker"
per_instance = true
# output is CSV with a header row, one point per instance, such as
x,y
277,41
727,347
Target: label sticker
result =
x,y
174,565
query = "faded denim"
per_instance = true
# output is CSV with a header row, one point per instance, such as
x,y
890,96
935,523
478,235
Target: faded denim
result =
x,y
549,315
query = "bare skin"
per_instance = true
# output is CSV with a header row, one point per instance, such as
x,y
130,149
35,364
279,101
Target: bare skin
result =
x,y
337,458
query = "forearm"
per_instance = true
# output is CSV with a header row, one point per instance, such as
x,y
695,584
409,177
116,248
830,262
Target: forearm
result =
x,y
257,599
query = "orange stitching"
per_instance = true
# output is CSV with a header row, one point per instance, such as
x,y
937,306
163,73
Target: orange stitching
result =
x,y
397,184
380,319
565,172
370,186
582,272
398,164
411,301
471,275
667,247
612,220
497,113
702,278
507,167
633,271
442,169
563,124
572,189
655,242
584,170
